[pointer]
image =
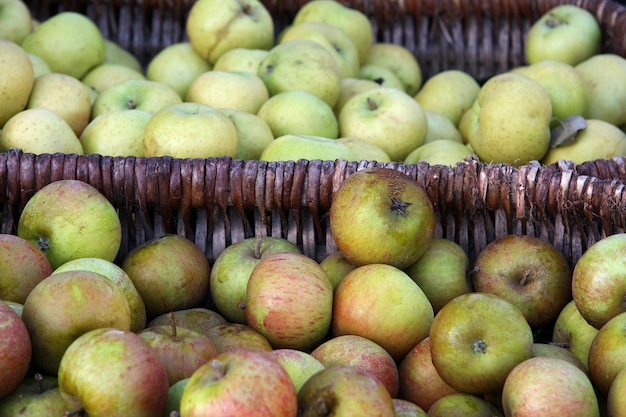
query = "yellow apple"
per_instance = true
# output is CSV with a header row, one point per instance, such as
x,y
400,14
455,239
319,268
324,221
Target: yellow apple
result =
x,y
296,147
15,20
253,133
241,59
400,60
440,152
116,133
364,150
114,53
106,75
40,66
349,87
440,127
381,75
16,81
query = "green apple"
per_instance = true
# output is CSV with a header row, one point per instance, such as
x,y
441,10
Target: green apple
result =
x,y
449,92
116,133
114,53
38,396
566,33
243,91
381,75
510,120
463,404
190,130
40,66
217,26
572,332
108,74
352,21
299,113
364,150
65,95
400,60
599,140
16,82
296,147
301,64
440,152
568,90
69,42
39,131
336,266
15,20
253,134
387,117
177,65
607,354
334,39
241,59
174,394
150,96
616,401
299,365
440,127
606,77
349,87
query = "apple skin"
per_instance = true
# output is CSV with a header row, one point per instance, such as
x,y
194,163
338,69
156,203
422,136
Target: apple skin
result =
x,y
349,87
170,272
228,337
400,60
565,33
106,75
70,219
382,303
476,339
242,383
232,268
573,332
616,401
241,59
607,354
528,272
299,365
420,382
116,133
102,370
66,305
114,53
463,405
336,266
406,408
289,300
15,21
296,147
23,266
174,394
380,215
548,387
381,75
361,353
37,396
599,280
15,350
559,352
343,390
441,127
199,319
39,65
253,134
17,80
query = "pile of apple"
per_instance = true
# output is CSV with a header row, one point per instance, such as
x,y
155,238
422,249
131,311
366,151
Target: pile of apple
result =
x,y
322,88
395,323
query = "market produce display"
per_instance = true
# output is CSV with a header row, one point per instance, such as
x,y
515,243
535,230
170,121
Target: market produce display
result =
x,y
396,321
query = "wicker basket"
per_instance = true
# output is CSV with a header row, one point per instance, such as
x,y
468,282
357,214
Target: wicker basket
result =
x,y
219,201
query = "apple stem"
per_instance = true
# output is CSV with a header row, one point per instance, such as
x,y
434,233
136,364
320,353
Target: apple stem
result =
x,y
75,412
257,248
242,305
524,279
372,104
131,104
399,206
218,366
39,379
172,320
480,346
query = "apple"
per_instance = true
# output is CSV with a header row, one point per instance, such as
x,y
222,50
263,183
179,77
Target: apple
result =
x,y
299,365
15,20
38,396
555,351
382,303
606,354
419,381
599,282
296,147
150,96
362,353
406,408
606,74
301,64
112,372
440,152
170,272
217,26
118,277
572,332
39,131
116,133
440,127
228,337
463,404
510,120
299,113
363,150
349,87
243,91
65,95
343,390
399,59
69,42
566,33
240,383
198,319
40,66
475,341
17,80
528,272
289,300
598,140
107,74
616,401
174,395
241,59
386,117
352,21
368,211
232,268
253,134
17,307
335,40
114,53
336,266
15,350
190,130
177,65
548,387
450,92
23,266
85,223
381,75
181,350
64,306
